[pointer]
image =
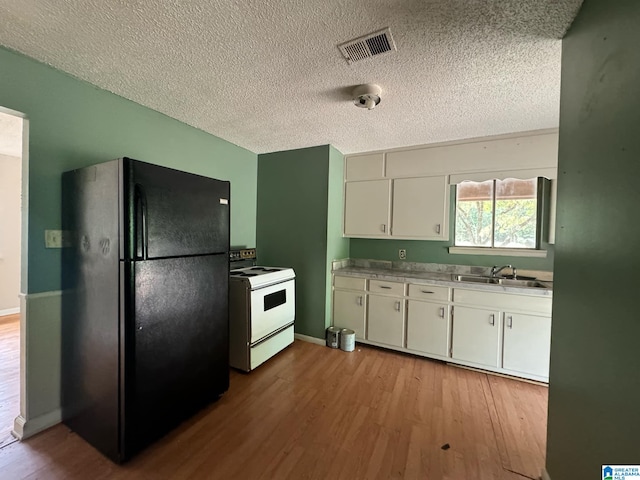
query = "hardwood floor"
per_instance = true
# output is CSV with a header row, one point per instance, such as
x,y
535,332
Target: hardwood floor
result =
x,y
9,375
316,413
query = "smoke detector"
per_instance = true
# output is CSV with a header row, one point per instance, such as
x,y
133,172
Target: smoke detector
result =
x,y
367,96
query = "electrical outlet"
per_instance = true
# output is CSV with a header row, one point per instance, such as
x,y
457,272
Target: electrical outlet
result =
x,y
402,253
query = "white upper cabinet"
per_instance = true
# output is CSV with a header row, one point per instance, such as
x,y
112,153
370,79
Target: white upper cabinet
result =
x,y
367,208
364,167
420,179
517,153
420,208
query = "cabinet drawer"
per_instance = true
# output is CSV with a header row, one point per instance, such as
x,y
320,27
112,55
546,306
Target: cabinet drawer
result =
x,y
503,301
429,292
383,286
349,283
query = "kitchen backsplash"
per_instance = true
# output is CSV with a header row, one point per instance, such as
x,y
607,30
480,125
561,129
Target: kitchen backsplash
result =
x,y
403,266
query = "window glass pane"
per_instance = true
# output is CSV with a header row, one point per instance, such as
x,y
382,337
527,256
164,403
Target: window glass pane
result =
x,y
474,205
516,206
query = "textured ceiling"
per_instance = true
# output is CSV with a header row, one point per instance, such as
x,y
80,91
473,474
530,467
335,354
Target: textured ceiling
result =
x,y
267,75
10,135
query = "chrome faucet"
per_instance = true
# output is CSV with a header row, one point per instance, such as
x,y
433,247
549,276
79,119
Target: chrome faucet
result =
x,y
495,270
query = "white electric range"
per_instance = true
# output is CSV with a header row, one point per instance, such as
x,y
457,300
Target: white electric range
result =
x,y
261,314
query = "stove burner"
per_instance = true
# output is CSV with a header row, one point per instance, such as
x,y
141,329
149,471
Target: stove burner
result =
x,y
246,274
265,269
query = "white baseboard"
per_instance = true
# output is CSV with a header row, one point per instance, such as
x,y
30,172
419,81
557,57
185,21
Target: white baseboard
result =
x,y
307,338
23,429
545,475
9,311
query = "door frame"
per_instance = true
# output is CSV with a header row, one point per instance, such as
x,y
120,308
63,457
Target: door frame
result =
x,y
24,261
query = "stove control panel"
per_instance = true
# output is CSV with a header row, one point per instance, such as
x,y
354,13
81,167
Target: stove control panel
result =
x,y
242,254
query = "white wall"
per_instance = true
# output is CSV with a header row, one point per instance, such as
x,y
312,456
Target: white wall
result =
x,y
10,182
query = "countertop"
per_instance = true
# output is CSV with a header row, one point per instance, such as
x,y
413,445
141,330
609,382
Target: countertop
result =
x,y
437,278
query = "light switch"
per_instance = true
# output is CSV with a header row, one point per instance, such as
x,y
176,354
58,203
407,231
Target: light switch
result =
x,y
53,238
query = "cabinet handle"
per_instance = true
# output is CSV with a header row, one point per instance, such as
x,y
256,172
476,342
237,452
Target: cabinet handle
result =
x,y
359,300
385,287
426,291
383,227
438,228
492,319
441,312
510,321
397,306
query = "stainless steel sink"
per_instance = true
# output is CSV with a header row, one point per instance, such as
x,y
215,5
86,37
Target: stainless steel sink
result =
x,y
475,279
507,282
521,283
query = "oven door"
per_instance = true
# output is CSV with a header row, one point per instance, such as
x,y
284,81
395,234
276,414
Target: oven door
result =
x,y
272,308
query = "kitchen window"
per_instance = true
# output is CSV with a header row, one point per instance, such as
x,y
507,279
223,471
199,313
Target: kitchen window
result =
x,y
498,214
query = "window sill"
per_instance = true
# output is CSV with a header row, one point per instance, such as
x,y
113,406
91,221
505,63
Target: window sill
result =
x,y
508,252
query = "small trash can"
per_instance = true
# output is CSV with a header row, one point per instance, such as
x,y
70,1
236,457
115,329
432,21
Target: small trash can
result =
x,y
333,335
347,340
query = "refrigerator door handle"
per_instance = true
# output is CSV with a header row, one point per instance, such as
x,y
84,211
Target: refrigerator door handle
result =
x,y
143,237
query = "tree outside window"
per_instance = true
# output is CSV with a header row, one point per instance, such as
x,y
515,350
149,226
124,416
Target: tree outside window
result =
x,y
497,213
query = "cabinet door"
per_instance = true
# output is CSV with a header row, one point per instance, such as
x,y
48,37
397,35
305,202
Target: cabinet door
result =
x,y
420,208
349,311
428,327
364,167
476,335
527,340
385,322
366,208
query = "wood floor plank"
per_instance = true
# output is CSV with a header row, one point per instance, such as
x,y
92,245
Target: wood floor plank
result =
x,y
9,375
315,413
521,409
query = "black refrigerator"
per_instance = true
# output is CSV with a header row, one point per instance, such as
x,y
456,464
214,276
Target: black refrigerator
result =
x,y
145,321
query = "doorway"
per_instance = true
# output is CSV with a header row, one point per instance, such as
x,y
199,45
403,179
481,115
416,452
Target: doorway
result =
x,y
11,154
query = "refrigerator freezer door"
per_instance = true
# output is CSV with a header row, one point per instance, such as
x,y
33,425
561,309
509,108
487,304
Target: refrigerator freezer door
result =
x,y
172,213
177,345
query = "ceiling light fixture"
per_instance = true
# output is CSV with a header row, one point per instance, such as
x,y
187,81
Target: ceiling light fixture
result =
x,y
367,96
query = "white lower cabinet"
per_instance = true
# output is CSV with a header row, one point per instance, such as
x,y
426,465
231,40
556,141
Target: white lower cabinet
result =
x,y
476,335
497,331
527,340
385,322
349,311
428,327
350,304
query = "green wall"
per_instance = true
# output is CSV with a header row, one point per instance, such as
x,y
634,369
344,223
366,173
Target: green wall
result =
x,y
438,252
74,124
296,189
594,394
337,246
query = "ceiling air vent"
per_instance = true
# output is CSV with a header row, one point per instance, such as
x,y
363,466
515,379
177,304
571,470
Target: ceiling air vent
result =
x,y
370,45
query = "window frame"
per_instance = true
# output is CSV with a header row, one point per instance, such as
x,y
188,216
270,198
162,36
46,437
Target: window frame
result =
x,y
542,216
